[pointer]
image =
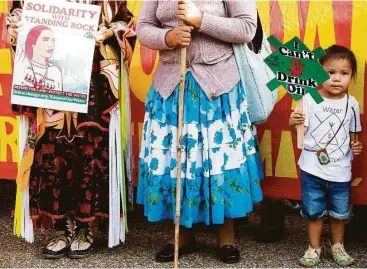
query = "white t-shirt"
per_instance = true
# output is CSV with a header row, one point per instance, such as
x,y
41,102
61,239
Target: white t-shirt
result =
x,y
322,121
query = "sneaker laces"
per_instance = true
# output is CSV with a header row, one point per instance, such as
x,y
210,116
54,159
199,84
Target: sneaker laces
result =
x,y
69,232
311,253
81,236
54,243
340,251
82,240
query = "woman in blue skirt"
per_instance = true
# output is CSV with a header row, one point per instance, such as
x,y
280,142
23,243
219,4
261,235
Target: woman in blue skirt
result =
x,y
221,169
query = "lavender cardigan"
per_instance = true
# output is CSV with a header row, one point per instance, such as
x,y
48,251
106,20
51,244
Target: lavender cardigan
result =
x,y
210,54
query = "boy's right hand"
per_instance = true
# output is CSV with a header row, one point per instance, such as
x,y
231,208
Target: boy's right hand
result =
x,y
356,147
179,37
296,118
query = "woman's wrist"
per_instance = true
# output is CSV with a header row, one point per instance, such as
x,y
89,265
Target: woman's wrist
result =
x,y
198,21
168,40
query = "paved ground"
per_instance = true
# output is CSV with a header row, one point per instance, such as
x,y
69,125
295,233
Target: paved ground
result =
x,y
144,239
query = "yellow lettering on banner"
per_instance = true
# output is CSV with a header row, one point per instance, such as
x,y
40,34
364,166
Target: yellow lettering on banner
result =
x,y
289,11
320,18
266,153
356,182
286,163
1,90
264,13
5,59
139,81
281,93
8,140
140,127
4,6
359,47
134,7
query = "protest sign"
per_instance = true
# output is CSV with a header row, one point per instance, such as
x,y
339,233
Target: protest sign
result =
x,y
54,55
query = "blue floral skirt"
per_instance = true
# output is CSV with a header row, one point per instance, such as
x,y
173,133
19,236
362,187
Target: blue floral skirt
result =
x,y
220,167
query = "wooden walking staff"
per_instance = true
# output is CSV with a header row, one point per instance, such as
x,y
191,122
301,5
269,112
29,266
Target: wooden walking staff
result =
x,y
179,151
300,128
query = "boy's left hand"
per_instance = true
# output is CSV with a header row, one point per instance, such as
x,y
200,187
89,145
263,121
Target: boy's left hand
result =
x,y
356,147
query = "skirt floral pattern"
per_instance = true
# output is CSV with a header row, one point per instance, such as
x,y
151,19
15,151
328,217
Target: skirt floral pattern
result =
x,y
220,167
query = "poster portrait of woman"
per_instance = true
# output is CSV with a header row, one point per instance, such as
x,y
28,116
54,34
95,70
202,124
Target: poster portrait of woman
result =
x,y
36,70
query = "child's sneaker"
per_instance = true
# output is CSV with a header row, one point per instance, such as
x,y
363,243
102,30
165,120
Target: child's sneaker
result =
x,y
341,257
311,257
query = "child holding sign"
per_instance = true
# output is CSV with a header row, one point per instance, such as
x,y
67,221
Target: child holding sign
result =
x,y
331,139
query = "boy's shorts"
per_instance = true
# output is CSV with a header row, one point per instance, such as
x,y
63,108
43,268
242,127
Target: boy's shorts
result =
x,y
321,197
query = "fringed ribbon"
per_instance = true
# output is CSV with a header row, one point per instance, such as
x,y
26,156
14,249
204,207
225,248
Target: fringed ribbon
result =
x,y
23,225
117,227
36,130
126,141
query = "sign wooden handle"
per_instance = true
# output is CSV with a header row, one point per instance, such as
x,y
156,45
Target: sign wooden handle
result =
x,y
300,128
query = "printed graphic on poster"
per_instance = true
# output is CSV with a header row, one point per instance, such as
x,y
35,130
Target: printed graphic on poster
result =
x,y
54,55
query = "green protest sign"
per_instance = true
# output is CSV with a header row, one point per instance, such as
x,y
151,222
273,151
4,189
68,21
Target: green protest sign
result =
x,y
296,68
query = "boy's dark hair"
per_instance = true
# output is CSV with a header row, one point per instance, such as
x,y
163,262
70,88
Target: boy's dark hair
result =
x,y
337,52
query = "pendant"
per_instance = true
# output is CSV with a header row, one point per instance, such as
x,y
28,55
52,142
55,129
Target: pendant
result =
x,y
323,156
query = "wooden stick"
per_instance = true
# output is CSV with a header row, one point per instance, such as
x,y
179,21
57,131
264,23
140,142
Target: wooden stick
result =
x,y
300,128
179,152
